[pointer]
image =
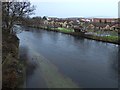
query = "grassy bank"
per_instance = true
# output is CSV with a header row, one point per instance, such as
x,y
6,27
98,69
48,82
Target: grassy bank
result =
x,y
65,30
110,39
12,67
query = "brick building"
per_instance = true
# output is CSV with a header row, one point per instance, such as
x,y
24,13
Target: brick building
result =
x,y
105,20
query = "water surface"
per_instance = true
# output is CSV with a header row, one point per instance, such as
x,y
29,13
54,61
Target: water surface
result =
x,y
78,62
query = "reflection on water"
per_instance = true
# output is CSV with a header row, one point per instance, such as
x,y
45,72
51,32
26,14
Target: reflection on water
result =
x,y
88,63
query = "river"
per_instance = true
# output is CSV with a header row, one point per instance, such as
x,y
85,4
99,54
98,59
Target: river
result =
x,y
58,60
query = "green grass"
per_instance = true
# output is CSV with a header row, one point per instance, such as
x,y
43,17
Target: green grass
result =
x,y
112,33
65,30
106,38
111,38
52,28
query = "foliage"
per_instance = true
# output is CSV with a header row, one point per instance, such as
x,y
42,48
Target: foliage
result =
x,y
14,11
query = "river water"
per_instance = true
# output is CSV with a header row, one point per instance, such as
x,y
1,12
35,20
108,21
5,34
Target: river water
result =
x,y
59,60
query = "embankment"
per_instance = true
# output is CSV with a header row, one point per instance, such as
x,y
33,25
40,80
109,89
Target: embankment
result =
x,y
12,67
107,39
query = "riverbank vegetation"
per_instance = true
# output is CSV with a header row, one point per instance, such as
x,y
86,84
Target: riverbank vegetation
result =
x,y
95,35
106,32
65,30
12,67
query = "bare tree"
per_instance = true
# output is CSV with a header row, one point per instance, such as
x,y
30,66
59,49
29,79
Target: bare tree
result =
x,y
14,11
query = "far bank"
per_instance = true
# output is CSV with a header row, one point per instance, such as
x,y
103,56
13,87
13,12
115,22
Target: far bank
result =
x,y
109,39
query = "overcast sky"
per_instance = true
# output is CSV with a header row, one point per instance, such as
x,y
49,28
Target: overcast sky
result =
x,y
76,8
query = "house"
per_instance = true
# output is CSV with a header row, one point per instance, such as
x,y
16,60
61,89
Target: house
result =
x,y
114,27
85,20
64,24
105,20
78,29
99,26
45,22
91,26
107,27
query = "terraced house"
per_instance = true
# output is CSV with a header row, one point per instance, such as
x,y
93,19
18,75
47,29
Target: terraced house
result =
x,y
105,20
